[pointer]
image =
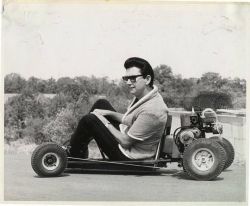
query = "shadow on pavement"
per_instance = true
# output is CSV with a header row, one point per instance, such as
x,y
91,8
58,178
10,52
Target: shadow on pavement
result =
x,y
62,175
182,175
120,172
227,170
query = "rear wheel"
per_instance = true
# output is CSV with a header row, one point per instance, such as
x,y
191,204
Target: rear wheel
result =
x,y
49,160
204,159
230,153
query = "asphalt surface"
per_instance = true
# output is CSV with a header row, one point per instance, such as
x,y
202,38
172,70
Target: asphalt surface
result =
x,y
22,184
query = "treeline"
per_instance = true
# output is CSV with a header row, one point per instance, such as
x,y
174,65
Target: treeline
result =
x,y
14,83
177,91
32,117
210,90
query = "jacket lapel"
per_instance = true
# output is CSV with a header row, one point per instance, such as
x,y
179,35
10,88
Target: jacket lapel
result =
x,y
132,107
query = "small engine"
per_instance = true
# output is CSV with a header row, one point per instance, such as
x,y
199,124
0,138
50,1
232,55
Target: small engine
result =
x,y
209,116
187,136
210,121
201,122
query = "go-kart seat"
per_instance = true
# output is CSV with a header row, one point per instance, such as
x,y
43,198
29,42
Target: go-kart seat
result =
x,y
167,129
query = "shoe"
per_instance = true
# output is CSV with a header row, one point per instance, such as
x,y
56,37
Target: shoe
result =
x,y
81,154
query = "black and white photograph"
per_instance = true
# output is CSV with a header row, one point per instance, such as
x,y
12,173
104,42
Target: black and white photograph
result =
x,y
120,102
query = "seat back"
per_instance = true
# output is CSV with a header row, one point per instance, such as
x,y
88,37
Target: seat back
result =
x,y
166,132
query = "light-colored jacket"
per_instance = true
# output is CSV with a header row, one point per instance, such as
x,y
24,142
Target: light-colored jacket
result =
x,y
144,121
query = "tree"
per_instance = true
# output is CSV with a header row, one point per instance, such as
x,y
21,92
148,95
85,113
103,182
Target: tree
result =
x,y
69,87
84,84
36,85
14,83
172,87
41,86
32,84
51,86
62,83
163,73
210,81
164,79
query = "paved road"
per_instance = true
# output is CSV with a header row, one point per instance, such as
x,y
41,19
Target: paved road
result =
x,y
22,184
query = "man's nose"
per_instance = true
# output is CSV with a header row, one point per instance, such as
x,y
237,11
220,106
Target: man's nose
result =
x,y
128,82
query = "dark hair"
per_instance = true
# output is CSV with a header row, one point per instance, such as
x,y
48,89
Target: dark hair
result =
x,y
143,65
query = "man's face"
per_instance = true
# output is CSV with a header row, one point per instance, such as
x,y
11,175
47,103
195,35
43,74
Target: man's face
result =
x,y
137,84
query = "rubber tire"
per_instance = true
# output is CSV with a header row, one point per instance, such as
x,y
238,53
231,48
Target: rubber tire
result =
x,y
40,151
219,159
230,153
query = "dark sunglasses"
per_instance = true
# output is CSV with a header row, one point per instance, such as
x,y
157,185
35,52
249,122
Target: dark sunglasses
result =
x,y
132,78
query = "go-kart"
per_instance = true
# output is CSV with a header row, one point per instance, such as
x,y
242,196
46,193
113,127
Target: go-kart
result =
x,y
202,158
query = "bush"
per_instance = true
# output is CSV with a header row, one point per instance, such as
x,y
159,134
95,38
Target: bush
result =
x,y
57,103
214,100
239,102
120,103
60,129
34,130
11,134
20,107
81,107
170,102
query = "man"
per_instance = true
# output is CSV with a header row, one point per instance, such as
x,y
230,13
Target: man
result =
x,y
133,135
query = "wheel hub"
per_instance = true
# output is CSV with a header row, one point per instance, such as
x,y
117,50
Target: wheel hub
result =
x,y
50,161
203,159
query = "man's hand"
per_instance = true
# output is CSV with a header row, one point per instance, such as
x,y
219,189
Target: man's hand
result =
x,y
123,139
100,117
112,114
102,112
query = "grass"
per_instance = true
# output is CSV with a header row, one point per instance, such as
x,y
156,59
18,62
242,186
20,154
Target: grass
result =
x,y
20,147
16,148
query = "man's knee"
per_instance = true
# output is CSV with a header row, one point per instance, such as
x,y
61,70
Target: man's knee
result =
x,y
87,119
101,102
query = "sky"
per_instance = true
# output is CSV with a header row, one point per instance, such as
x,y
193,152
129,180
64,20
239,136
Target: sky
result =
x,y
82,39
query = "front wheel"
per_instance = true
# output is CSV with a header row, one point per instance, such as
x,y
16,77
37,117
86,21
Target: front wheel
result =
x,y
49,160
204,159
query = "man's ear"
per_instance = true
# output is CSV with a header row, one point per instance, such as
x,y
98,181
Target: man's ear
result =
x,y
148,79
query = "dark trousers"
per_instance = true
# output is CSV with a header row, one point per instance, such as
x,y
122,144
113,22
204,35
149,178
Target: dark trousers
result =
x,y
90,127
